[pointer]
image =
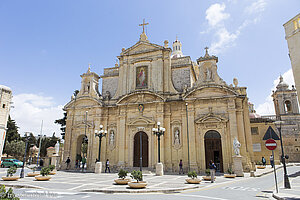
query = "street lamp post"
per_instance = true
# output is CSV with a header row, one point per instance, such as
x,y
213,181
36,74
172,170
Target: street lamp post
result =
x,y
101,133
286,178
40,143
159,131
24,159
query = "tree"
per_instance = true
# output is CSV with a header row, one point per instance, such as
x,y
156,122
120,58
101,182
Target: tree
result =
x,y
31,141
12,131
46,143
15,148
62,123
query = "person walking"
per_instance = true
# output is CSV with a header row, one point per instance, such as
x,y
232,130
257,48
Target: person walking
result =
x,y
272,161
212,168
180,167
107,166
76,164
263,160
83,162
68,163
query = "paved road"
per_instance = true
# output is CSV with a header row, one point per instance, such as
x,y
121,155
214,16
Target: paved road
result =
x,y
243,188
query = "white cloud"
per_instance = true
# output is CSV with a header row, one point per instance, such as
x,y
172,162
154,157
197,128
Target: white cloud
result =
x,y
216,17
267,108
225,40
215,14
29,111
256,7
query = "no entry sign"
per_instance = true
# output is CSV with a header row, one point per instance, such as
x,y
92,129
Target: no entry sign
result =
x,y
271,144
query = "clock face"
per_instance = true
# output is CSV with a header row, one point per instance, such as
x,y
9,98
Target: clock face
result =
x,y
141,107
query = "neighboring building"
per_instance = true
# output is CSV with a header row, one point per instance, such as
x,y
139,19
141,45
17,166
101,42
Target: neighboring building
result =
x,y
5,102
287,110
154,84
292,35
263,127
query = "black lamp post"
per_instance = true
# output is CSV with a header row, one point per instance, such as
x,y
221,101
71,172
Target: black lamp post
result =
x,y
24,159
101,133
159,131
40,147
287,184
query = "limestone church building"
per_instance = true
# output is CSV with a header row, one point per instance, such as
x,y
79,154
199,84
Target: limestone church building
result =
x,y
201,113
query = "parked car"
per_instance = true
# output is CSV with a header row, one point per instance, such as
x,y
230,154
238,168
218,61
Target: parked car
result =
x,y
11,163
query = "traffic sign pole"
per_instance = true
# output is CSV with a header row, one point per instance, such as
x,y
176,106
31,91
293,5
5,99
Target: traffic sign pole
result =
x,y
275,172
271,145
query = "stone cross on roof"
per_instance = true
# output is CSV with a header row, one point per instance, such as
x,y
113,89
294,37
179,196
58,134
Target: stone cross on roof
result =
x,y
143,24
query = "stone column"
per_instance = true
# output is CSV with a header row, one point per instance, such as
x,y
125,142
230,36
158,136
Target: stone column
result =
x,y
192,137
168,142
121,137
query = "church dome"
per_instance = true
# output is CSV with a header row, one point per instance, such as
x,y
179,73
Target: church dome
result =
x,y
177,51
282,85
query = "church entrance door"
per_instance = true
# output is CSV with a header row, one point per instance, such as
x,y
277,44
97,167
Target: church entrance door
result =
x,y
213,149
136,150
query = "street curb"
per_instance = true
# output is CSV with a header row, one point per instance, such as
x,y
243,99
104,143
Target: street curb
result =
x,y
269,172
141,190
21,186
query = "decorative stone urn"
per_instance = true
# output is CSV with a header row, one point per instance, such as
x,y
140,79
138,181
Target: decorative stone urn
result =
x,y
207,178
10,178
229,175
260,167
137,185
42,178
122,181
193,180
33,174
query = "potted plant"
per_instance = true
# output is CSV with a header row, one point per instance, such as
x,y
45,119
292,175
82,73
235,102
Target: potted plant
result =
x,y
230,173
9,194
193,178
52,170
260,165
33,173
122,180
9,175
44,172
138,176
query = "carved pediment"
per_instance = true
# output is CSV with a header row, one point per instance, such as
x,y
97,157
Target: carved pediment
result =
x,y
83,101
140,97
82,124
142,47
141,121
211,118
215,91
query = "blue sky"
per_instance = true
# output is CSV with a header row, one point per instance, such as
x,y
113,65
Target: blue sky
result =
x,y
46,45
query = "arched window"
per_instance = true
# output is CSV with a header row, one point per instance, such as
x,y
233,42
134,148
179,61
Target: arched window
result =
x,y
288,106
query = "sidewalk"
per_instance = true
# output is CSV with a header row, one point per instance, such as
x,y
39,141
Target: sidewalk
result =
x,y
294,192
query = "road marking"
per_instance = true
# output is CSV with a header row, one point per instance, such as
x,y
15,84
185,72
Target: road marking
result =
x,y
200,196
87,196
249,189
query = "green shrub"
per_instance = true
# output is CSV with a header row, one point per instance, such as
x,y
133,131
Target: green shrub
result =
x,y
207,172
51,167
7,195
137,175
229,171
192,174
122,174
11,171
45,171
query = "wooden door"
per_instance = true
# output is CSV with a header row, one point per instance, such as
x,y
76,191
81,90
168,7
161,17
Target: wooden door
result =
x,y
213,151
136,151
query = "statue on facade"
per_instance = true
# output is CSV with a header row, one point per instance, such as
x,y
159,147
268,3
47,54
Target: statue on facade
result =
x,y
57,148
176,136
236,146
112,137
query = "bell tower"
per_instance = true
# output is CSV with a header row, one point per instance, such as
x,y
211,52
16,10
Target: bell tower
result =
x,y
285,100
89,84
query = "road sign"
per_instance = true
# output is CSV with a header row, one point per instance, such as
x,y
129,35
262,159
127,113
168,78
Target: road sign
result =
x,y
271,144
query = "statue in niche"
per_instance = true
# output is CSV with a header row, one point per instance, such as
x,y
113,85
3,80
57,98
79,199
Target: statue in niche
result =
x,y
176,137
107,95
57,148
87,88
112,137
208,74
236,146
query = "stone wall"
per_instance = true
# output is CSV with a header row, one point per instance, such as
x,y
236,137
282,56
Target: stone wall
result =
x,y
180,78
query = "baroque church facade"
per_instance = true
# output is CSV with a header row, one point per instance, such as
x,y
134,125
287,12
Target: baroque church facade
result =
x,y
202,114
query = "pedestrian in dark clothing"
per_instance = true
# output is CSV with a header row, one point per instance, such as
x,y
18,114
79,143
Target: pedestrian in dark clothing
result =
x,y
272,161
68,162
180,167
41,163
263,160
76,164
83,162
212,168
107,166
